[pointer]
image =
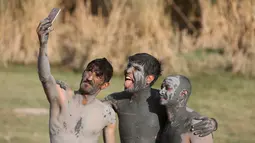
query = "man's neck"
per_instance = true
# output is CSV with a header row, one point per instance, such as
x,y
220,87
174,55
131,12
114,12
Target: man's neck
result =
x,y
174,112
141,94
86,99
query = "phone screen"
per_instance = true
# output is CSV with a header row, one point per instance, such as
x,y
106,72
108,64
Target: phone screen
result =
x,y
53,14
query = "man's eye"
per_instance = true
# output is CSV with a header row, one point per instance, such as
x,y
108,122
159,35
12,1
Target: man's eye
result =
x,y
137,68
129,65
98,73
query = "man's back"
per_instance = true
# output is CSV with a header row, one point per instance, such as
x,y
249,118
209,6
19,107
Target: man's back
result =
x,y
78,123
141,118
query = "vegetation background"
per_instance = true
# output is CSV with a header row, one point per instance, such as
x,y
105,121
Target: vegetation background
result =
x,y
211,41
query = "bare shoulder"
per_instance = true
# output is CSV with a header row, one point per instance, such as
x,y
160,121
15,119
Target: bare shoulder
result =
x,y
103,105
192,112
116,96
108,113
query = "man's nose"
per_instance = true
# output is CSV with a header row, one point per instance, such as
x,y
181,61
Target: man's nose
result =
x,y
162,92
90,75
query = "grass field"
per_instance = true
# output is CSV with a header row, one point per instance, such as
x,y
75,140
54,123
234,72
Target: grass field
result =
x,y
227,98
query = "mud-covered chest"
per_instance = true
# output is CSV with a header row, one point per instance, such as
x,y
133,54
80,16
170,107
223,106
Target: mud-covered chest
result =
x,y
176,131
81,121
138,119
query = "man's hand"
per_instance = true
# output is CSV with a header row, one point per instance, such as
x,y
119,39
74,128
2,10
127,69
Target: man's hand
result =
x,y
43,30
205,127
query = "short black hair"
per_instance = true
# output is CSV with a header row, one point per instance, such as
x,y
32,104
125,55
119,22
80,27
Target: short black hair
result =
x,y
103,66
152,66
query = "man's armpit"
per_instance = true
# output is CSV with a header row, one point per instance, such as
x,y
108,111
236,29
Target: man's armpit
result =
x,y
64,95
61,94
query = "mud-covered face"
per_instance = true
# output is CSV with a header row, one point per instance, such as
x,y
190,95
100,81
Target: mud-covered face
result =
x,y
168,91
92,80
135,78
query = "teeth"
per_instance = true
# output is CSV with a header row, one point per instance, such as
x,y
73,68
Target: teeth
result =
x,y
128,78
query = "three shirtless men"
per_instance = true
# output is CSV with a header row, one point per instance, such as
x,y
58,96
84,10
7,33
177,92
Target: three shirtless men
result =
x,y
77,116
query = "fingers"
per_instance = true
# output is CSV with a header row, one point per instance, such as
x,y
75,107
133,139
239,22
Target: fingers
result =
x,y
200,118
204,134
44,26
48,30
198,132
198,126
43,22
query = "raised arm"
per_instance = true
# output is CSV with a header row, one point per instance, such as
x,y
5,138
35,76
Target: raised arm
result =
x,y
47,80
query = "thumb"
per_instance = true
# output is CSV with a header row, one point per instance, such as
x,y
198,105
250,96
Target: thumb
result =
x,y
50,29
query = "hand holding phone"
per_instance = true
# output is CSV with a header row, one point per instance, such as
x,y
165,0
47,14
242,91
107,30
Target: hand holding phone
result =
x,y
44,28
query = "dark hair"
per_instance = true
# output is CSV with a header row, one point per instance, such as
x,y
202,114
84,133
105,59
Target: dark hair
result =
x,y
152,66
104,67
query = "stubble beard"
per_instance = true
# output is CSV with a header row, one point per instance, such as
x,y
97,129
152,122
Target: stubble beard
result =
x,y
139,84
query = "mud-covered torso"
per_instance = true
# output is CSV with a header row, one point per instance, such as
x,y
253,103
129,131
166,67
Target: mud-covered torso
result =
x,y
178,131
79,123
141,117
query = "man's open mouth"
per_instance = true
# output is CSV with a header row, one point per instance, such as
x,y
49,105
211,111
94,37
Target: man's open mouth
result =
x,y
129,82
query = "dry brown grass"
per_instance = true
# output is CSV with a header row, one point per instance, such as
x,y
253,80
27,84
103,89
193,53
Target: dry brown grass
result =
x,y
133,26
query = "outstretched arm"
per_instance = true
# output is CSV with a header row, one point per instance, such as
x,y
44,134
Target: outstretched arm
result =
x,y
48,82
201,125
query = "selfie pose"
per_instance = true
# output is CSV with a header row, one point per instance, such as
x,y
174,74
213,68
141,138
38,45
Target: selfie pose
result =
x,y
76,116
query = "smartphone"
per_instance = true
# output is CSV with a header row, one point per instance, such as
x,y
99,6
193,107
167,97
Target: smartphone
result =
x,y
53,14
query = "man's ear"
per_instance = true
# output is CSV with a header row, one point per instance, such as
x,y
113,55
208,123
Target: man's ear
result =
x,y
149,79
105,85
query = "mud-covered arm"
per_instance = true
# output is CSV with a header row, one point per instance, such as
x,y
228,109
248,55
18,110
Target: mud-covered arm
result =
x,y
205,127
47,80
109,130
